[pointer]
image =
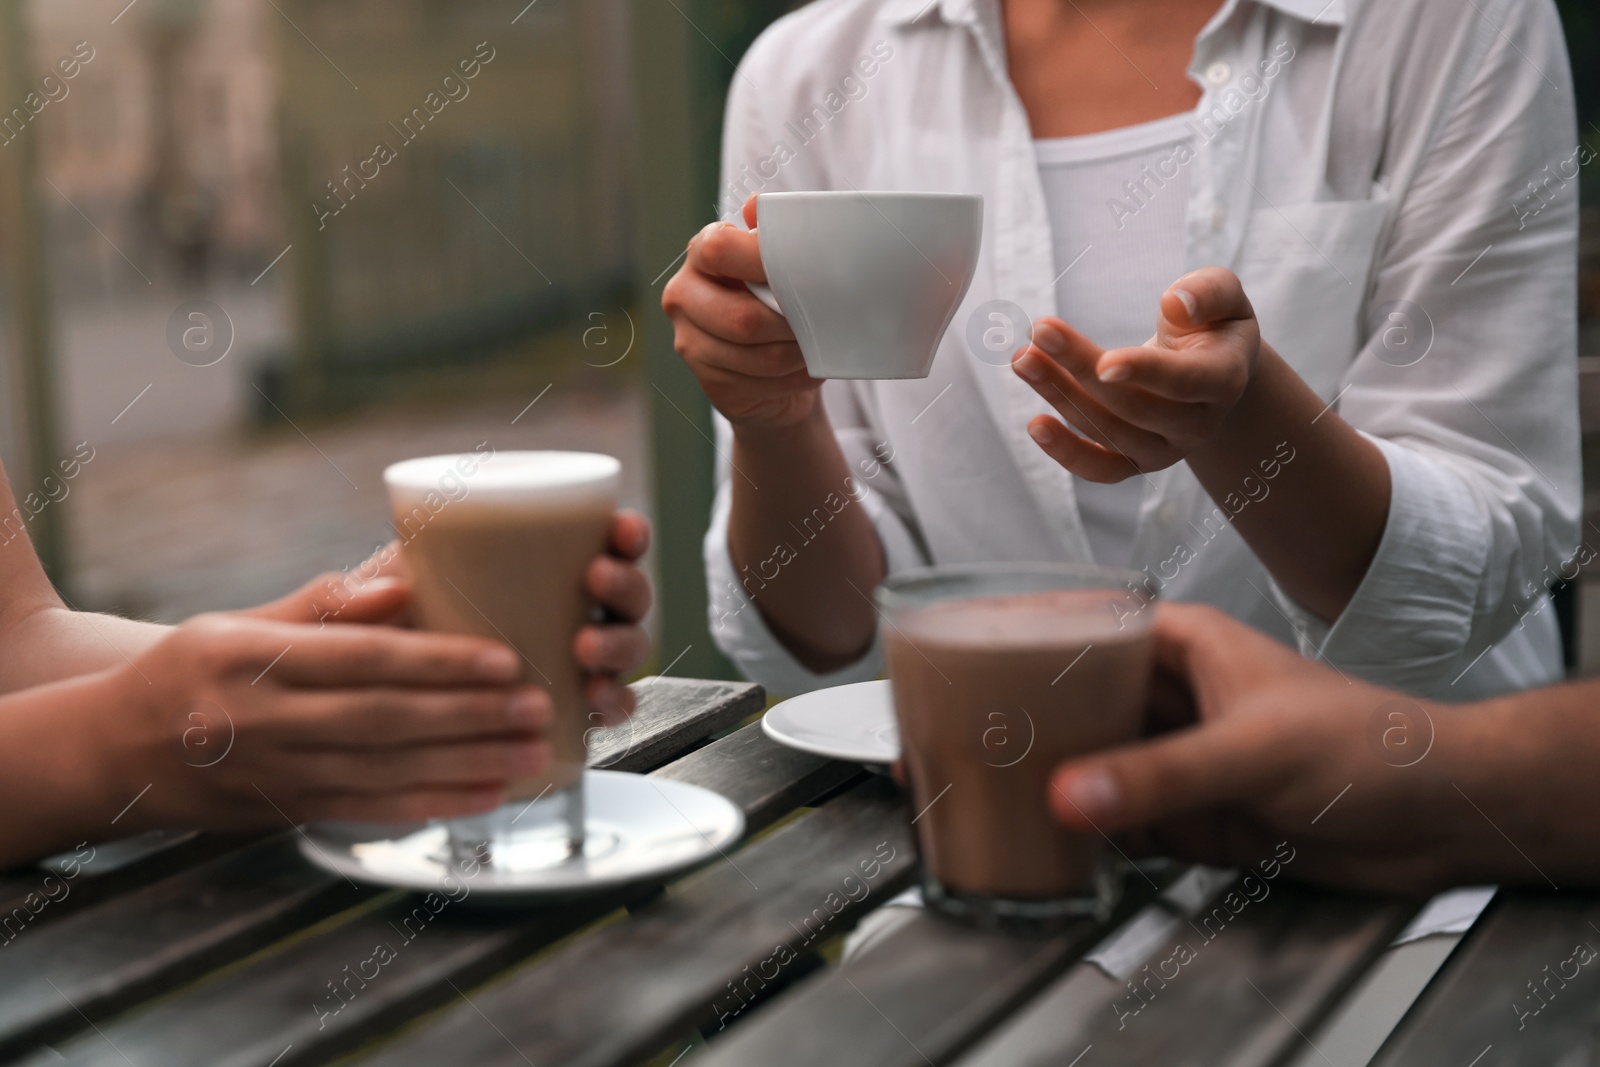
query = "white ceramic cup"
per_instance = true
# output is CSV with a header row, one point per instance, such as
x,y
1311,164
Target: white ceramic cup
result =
x,y
869,281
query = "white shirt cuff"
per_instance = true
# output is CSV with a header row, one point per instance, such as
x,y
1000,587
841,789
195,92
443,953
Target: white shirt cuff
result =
x,y
1411,618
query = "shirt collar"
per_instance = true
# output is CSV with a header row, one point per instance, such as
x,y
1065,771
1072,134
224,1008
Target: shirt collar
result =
x,y
1317,12
905,12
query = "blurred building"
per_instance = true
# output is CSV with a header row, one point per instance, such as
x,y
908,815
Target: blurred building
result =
x,y
167,141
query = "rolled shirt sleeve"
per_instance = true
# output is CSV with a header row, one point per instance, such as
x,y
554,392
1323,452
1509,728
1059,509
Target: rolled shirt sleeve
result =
x,y
1481,430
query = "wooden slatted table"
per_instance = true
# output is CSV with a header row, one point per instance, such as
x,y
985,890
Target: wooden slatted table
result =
x,y
223,952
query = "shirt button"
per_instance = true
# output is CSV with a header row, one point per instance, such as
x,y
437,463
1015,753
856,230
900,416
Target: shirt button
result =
x,y
1170,513
1219,217
1219,73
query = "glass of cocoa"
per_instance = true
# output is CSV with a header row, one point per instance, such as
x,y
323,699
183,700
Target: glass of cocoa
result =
x,y
496,545
1001,672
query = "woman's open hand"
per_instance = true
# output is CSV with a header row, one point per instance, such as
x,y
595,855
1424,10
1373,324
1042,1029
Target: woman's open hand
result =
x,y
1141,409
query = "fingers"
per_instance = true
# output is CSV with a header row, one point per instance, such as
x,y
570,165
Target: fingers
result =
x,y
610,699
723,250
408,716
376,655
1174,381
1146,386
337,596
1218,655
414,806
410,767
386,562
1061,370
1053,342
611,649
1201,299
732,314
620,588
629,537
1085,459
1196,770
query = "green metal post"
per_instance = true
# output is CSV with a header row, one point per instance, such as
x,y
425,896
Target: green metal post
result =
x,y
682,68
27,300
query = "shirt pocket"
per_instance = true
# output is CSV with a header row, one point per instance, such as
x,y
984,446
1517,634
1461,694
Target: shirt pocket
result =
x,y
1307,269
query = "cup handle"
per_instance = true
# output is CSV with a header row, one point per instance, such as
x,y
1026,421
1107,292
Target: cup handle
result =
x,y
764,294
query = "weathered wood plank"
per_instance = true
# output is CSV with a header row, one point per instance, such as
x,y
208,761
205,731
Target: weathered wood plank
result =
x,y
1517,992
695,956
920,995
673,713
1240,992
155,937
763,777
143,942
32,897
251,1015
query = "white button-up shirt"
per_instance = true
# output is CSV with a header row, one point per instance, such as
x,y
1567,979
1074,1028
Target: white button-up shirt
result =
x,y
1395,183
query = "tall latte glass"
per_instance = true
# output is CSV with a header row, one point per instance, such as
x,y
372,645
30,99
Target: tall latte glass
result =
x,y
1000,673
497,545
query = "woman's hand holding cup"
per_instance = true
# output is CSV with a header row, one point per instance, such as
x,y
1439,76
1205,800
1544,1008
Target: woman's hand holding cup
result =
x,y
742,352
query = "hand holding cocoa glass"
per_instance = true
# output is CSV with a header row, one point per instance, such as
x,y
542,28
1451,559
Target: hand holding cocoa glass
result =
x,y
1000,673
499,545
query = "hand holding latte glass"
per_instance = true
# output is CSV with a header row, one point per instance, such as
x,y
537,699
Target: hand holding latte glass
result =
x,y
504,546
322,704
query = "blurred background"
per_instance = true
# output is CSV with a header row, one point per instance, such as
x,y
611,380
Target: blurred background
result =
x,y
251,251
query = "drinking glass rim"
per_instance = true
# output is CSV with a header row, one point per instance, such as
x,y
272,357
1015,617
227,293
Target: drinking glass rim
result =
x,y
876,194
894,592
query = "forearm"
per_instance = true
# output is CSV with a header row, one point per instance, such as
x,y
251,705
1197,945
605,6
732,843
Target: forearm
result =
x,y
803,548
1319,522
1522,777
56,782
46,642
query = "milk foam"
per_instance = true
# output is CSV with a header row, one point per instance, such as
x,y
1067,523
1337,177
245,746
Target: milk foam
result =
x,y
1028,620
507,477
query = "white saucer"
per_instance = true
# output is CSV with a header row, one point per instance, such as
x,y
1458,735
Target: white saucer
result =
x,y
848,722
639,828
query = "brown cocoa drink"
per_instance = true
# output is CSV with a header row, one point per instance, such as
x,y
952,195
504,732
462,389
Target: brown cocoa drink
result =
x,y
992,694
499,550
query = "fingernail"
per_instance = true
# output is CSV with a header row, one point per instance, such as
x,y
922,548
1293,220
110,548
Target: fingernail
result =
x,y
1029,366
1095,793
710,228
529,758
1117,372
498,663
1189,303
1049,338
380,584
529,709
1042,432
